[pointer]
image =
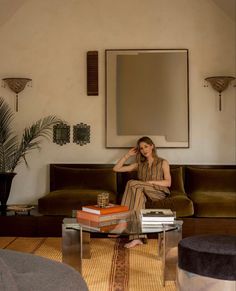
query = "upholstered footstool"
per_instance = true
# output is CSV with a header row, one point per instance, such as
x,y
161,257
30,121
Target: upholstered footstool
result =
x,y
207,262
27,272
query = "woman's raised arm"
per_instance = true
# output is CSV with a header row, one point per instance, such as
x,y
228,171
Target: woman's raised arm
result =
x,y
120,167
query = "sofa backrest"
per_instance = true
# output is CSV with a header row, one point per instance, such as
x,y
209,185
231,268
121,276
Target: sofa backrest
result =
x,y
210,178
177,179
185,178
82,176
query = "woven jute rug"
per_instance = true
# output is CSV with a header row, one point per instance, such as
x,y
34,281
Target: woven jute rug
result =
x,y
111,267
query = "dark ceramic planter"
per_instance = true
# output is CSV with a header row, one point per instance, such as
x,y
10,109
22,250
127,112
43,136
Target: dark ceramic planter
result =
x,y
5,188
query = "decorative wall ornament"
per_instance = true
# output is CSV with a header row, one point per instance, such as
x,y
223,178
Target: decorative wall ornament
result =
x,y
61,133
16,85
92,73
81,134
220,83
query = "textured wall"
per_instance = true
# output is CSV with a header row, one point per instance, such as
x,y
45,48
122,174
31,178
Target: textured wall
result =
x,y
48,40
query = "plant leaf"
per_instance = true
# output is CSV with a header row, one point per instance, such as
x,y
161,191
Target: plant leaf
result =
x,y
13,152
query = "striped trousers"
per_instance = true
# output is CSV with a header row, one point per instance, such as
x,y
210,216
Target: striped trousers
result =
x,y
135,197
136,192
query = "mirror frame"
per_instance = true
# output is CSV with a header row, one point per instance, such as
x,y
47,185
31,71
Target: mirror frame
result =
x,y
115,140
81,134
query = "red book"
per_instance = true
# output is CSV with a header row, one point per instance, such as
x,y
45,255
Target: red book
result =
x,y
96,217
111,208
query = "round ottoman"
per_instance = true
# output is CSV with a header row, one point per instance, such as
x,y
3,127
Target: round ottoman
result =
x,y
27,272
207,262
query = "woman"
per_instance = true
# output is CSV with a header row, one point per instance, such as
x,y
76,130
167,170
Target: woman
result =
x,y
153,178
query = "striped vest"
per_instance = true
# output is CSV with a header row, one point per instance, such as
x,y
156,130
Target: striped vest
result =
x,y
153,173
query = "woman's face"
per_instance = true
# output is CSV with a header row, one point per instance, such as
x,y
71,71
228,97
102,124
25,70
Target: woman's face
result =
x,y
145,149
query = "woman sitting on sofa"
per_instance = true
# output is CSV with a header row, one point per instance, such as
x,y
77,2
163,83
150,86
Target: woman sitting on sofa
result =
x,y
153,178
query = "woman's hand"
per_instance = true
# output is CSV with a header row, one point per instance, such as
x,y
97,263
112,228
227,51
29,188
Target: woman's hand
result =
x,y
132,152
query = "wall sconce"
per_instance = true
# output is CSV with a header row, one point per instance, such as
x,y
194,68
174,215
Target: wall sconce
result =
x,y
16,85
220,83
61,133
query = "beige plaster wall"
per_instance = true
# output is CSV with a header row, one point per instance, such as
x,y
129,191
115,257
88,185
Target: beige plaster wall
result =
x,y
47,41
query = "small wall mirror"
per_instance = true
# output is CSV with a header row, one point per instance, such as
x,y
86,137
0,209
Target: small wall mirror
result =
x,y
61,133
147,93
81,134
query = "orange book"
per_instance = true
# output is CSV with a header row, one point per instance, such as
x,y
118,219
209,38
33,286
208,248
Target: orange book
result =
x,y
111,208
110,226
96,217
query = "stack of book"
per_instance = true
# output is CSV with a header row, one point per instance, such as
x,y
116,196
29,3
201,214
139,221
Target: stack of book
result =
x,y
112,217
156,217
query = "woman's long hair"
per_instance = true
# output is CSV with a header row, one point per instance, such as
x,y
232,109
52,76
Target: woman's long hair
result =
x,y
147,140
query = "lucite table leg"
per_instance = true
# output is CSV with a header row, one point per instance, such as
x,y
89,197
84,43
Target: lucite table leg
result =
x,y
163,257
159,246
170,252
161,253
72,247
75,244
167,251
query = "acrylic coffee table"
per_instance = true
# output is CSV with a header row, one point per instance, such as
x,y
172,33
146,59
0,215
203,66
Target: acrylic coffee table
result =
x,y
76,236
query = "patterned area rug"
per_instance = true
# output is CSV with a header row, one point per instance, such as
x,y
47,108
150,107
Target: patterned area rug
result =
x,y
111,267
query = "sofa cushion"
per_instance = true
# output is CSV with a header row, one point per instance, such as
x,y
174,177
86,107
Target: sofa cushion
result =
x,y
214,204
212,190
177,181
62,202
177,202
83,178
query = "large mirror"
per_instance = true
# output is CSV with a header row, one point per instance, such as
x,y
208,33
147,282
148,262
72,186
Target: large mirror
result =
x,y
147,94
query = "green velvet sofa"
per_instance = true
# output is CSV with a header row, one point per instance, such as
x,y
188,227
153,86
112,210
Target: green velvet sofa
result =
x,y
212,190
196,191
75,185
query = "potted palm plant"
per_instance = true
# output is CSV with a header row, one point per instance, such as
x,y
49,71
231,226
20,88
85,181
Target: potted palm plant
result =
x,y
13,149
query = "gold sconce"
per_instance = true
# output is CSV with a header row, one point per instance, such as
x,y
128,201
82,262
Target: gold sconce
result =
x,y
220,83
16,85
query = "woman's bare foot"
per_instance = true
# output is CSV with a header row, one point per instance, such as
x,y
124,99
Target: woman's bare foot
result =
x,y
133,243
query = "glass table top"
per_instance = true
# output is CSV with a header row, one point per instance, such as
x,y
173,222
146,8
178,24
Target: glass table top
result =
x,y
129,225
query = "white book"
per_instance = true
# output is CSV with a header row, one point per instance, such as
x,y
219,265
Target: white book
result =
x,y
153,223
158,218
157,215
156,212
